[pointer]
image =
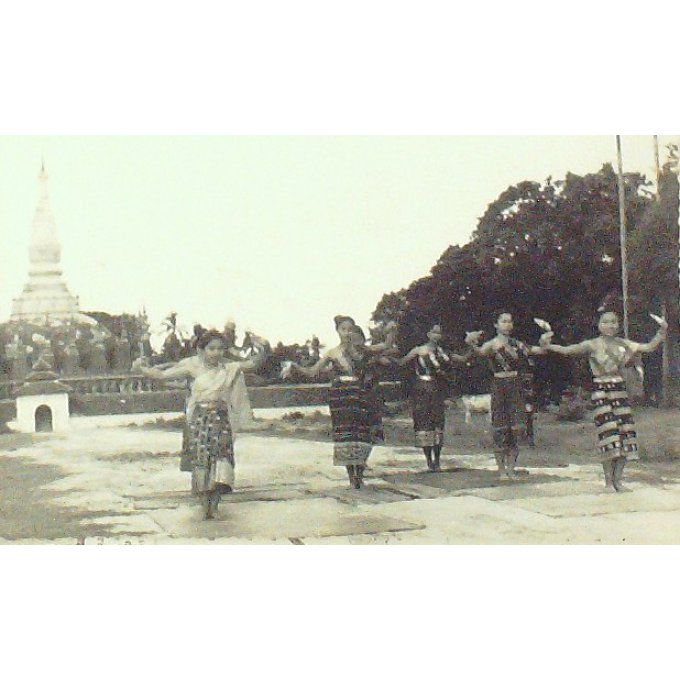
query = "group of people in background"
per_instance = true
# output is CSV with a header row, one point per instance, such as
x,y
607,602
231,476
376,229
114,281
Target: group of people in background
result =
x,y
70,349
218,402
76,348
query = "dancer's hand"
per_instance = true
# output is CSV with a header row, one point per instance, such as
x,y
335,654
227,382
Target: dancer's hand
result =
x,y
473,338
546,339
663,324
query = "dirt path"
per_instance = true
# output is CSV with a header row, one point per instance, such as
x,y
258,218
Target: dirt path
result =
x,y
25,508
105,480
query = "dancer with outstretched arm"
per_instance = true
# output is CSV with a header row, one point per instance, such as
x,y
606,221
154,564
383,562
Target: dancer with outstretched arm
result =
x,y
508,357
607,355
217,405
428,393
356,424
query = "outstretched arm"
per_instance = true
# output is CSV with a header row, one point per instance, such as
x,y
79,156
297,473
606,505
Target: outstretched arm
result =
x,y
653,344
461,358
179,370
257,359
579,349
488,348
380,347
312,371
408,358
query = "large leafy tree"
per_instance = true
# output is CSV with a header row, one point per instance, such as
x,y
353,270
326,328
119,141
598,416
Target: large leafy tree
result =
x,y
547,249
654,271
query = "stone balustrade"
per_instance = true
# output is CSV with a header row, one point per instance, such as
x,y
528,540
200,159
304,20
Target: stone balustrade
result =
x,y
267,396
103,384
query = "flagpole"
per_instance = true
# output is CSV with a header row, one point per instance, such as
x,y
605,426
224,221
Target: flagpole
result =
x,y
666,349
657,165
622,236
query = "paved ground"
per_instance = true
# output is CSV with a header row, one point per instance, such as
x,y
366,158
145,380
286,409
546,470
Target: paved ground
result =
x,y
109,483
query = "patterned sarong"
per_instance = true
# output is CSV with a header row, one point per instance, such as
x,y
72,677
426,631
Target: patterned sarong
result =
x,y
354,420
614,419
186,460
428,412
210,447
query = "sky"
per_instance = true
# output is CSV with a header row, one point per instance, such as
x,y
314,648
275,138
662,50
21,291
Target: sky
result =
x,y
277,233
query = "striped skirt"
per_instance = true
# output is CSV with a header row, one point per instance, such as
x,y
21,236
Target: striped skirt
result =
x,y
209,450
614,419
429,412
354,420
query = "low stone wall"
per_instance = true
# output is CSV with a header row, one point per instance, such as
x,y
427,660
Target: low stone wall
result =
x,y
113,404
272,396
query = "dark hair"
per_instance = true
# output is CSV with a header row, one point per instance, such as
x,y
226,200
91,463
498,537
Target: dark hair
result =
x,y
208,337
602,312
340,318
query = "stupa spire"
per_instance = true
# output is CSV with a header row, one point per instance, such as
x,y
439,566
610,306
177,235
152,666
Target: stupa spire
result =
x,y
45,296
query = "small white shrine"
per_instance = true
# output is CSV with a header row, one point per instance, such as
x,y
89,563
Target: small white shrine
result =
x,y
42,401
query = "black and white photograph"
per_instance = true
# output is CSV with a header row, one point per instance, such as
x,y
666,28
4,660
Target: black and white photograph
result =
x,y
339,339
222,346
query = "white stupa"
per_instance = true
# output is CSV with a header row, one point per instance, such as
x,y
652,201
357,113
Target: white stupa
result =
x,y
45,297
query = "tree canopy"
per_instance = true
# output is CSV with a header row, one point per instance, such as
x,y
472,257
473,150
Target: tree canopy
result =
x,y
543,249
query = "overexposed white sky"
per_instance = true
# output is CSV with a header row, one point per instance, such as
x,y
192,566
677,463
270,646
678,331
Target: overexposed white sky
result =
x,y
278,233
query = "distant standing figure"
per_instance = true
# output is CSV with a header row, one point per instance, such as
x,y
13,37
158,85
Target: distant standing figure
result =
x,y
526,376
71,364
172,348
98,363
315,349
18,356
144,348
123,353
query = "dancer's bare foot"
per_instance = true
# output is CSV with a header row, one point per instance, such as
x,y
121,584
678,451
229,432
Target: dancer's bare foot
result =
x,y
623,489
609,488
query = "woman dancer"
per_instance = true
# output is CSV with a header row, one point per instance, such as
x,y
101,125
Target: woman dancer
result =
x,y
607,355
356,423
216,405
508,357
428,393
